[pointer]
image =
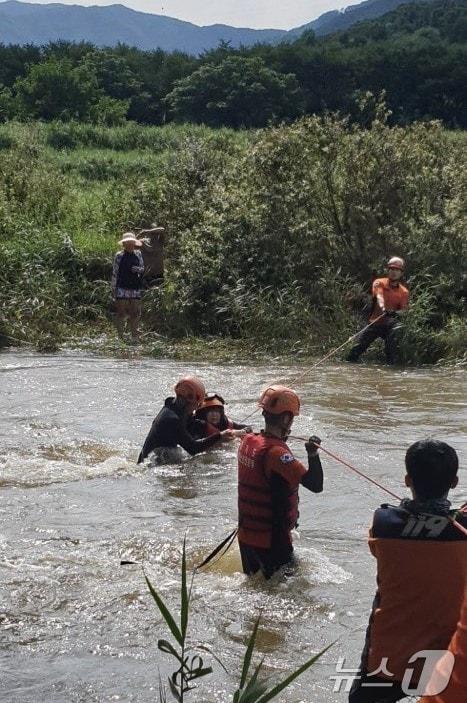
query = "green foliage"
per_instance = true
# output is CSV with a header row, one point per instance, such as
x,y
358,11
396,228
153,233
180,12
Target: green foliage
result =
x,y
417,54
238,92
189,668
269,233
55,89
255,689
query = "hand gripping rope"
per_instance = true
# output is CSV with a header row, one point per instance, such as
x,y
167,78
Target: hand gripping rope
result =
x,y
456,524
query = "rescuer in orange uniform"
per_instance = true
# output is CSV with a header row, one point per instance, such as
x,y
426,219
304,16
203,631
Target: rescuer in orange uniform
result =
x,y
421,575
390,298
268,481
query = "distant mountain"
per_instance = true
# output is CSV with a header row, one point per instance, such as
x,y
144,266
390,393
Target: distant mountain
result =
x,y
26,23
337,20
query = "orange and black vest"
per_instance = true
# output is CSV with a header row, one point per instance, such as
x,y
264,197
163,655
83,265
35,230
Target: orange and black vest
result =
x,y
422,579
256,515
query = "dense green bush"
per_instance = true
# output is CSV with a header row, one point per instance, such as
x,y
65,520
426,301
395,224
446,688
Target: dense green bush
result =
x,y
269,233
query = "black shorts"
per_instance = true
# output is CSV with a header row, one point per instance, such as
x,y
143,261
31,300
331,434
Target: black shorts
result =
x,y
268,561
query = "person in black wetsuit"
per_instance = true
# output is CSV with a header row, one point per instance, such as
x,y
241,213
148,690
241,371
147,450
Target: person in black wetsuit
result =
x,y
169,429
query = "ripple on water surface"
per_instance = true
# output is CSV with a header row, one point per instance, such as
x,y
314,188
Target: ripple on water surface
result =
x,y
77,626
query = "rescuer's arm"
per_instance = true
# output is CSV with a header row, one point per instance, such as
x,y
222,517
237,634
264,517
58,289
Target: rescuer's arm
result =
x,y
313,479
239,426
377,292
196,446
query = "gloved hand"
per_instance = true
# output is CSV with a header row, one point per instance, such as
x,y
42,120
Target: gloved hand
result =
x,y
310,446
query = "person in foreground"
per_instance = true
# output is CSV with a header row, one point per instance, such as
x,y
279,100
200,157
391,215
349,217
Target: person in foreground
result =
x,y
211,418
421,575
127,285
169,429
268,480
455,677
391,299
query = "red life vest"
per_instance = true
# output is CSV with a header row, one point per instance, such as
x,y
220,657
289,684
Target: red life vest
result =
x,y
255,507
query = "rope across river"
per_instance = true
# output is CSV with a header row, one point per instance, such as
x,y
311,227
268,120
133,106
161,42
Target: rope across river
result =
x,y
324,358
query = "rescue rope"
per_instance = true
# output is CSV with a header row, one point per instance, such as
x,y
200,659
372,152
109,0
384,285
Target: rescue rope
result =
x,y
223,548
334,351
324,358
456,524
349,466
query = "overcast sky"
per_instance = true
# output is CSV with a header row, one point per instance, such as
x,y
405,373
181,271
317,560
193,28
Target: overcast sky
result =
x,y
283,14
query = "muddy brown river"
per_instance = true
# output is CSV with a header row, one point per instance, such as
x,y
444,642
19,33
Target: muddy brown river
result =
x,y
75,626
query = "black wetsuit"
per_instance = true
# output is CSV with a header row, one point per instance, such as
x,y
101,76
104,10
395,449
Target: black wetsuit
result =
x,y
169,429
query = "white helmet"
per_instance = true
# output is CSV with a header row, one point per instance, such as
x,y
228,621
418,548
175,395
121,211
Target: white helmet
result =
x,y
396,263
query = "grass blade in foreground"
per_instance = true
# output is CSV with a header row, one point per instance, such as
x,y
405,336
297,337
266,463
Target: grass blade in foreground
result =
x,y
286,682
171,624
184,597
249,654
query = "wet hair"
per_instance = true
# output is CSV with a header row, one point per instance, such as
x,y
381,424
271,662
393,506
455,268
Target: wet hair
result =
x,y
432,465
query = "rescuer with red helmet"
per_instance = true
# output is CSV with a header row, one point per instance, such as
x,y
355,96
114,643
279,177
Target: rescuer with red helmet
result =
x,y
391,299
268,480
169,429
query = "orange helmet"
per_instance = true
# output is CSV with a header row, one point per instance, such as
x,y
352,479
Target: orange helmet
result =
x,y
212,400
396,263
190,388
280,399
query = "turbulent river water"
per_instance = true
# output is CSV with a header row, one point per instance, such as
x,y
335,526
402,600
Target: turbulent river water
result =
x,y
77,626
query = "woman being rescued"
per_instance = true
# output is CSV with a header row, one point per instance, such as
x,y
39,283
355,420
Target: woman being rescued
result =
x,y
210,418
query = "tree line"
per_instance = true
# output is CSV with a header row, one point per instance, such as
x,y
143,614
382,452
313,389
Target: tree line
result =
x,y
417,55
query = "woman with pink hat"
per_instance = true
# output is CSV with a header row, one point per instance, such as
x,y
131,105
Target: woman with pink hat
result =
x,y
127,284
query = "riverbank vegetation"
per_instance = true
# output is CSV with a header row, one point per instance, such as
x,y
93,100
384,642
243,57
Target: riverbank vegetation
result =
x,y
272,235
417,54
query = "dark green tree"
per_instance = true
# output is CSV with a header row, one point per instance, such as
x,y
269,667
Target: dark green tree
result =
x,y
55,89
239,92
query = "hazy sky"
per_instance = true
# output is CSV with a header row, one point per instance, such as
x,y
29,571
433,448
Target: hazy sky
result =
x,y
283,14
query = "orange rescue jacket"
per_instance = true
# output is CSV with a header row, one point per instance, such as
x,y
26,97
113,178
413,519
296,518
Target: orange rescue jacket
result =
x,y
395,297
422,577
456,690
